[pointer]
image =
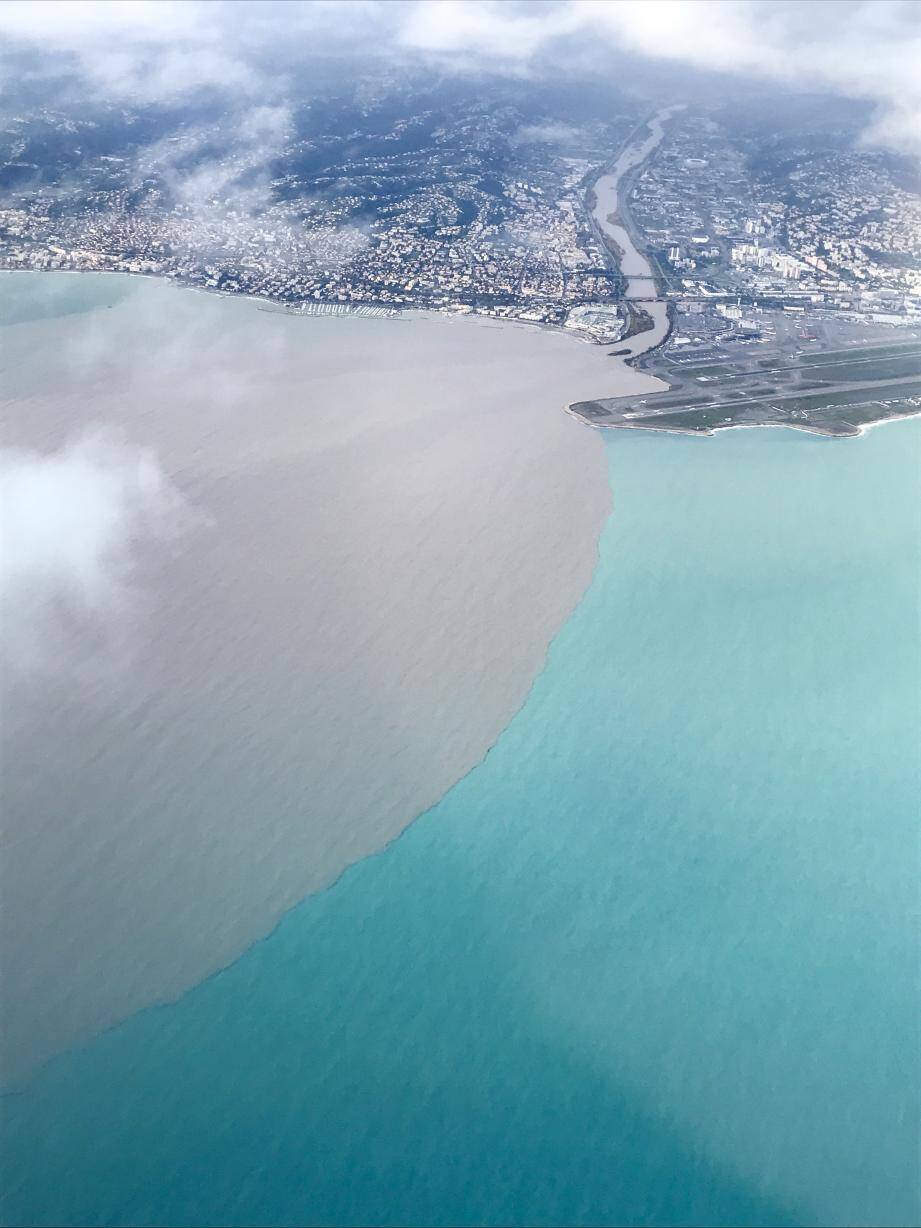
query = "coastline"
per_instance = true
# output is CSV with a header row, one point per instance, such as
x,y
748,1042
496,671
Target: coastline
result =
x,y
613,223
634,361
388,312
862,429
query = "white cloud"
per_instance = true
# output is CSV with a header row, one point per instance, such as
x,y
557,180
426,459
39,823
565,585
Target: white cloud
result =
x,y
148,50
200,183
865,49
71,525
505,30
548,134
161,50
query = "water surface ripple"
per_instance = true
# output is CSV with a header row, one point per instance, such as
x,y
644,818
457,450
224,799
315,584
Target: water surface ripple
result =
x,y
653,962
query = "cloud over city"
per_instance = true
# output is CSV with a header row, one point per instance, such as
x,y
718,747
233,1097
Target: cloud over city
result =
x,y
862,49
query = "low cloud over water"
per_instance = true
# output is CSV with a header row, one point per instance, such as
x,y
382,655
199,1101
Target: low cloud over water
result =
x,y
71,525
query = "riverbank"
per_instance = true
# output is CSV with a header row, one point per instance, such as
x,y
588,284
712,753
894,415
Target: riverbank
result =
x,y
611,214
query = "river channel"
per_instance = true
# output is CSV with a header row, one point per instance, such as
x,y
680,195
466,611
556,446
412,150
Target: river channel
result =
x,y
634,266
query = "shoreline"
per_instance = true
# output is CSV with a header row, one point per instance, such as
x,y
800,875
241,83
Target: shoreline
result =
x,y
862,429
389,313
394,315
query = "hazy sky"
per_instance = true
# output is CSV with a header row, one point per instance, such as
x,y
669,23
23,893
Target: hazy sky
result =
x,y
159,49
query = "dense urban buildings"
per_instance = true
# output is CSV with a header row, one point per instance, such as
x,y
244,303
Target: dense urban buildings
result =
x,y
396,197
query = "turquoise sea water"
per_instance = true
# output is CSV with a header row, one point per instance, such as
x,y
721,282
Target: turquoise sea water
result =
x,y
654,961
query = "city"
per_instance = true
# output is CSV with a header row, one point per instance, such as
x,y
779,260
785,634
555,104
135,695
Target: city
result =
x,y
474,208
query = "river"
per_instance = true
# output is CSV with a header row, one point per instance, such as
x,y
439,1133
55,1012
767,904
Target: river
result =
x,y
634,266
